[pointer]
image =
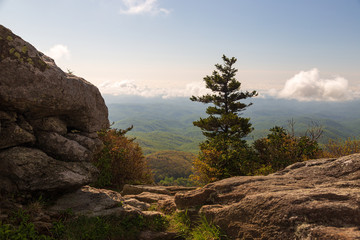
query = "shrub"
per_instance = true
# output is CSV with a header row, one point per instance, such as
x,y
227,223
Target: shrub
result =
x,y
121,161
280,149
338,148
212,164
204,166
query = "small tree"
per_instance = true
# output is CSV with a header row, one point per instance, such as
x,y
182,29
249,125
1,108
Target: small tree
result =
x,y
223,128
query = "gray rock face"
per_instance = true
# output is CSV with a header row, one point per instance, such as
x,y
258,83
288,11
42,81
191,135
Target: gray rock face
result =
x,y
31,84
65,149
48,121
93,144
317,199
29,169
13,135
50,124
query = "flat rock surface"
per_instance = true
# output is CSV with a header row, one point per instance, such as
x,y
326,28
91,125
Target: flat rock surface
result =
x,y
137,189
88,200
316,199
148,197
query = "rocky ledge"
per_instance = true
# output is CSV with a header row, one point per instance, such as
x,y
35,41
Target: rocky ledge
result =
x,y
316,199
48,121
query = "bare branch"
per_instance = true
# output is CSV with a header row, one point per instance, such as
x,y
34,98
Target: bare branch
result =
x,y
314,131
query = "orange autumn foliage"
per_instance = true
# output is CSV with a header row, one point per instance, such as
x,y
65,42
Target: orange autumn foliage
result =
x,y
121,161
204,166
338,148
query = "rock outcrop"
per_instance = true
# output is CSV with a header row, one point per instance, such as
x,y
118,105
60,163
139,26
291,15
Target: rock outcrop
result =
x,y
48,121
317,199
93,202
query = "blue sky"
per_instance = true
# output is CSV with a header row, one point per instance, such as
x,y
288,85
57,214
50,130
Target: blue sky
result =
x,y
304,49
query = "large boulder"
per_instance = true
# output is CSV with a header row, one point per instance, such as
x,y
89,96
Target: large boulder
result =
x,y
31,84
49,121
317,199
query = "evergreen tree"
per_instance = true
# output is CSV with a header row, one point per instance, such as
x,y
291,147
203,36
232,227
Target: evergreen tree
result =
x,y
223,128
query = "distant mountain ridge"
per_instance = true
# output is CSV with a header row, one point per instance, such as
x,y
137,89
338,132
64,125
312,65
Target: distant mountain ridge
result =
x,y
166,124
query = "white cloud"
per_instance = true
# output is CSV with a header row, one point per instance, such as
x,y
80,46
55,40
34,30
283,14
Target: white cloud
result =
x,y
58,52
142,6
129,87
308,86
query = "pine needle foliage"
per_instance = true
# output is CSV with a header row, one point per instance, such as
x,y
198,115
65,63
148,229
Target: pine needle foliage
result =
x,y
223,120
224,129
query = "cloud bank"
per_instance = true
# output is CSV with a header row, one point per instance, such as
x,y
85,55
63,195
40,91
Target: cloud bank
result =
x,y
304,86
58,52
133,7
309,86
129,87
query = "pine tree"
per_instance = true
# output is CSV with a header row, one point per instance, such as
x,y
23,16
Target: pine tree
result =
x,y
224,129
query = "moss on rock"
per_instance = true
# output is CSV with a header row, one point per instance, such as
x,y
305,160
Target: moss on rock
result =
x,y
9,48
24,49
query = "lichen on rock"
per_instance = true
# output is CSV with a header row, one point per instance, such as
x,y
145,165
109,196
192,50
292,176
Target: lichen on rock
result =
x,y
13,47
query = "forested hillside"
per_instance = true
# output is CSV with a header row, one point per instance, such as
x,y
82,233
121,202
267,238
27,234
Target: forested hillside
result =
x,y
164,129
166,124
159,124
174,164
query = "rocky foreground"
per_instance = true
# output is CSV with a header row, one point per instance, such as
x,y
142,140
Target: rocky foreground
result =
x,y
317,199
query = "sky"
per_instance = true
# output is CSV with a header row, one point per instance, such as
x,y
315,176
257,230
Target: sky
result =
x,y
305,50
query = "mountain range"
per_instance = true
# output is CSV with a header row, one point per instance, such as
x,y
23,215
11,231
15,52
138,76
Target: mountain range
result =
x,y
166,124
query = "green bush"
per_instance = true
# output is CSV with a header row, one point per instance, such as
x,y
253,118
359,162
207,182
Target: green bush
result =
x,y
280,149
219,160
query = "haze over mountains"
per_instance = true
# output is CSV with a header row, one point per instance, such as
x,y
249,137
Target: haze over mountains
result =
x,y
166,124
